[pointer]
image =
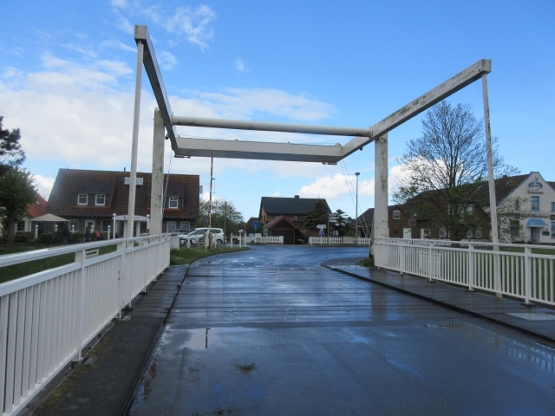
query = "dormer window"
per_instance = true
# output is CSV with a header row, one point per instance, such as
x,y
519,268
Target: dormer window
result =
x,y
100,199
173,202
396,214
82,199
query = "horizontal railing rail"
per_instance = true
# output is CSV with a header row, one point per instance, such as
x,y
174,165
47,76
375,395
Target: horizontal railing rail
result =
x,y
47,318
504,269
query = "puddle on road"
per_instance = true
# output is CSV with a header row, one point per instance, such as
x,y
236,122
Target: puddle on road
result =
x,y
204,338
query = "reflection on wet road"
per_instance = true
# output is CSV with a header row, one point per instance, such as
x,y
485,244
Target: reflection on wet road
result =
x,y
271,332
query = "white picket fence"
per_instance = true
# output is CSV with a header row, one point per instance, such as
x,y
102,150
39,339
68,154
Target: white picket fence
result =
x,y
500,268
360,241
259,239
47,318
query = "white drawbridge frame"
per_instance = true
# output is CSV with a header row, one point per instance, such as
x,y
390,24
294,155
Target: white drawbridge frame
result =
x,y
238,149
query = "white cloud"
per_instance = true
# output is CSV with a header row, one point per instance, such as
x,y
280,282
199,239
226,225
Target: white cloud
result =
x,y
119,3
246,103
80,115
240,65
193,24
337,186
167,60
44,185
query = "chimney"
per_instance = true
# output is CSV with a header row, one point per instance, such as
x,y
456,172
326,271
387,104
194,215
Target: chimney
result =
x,y
297,196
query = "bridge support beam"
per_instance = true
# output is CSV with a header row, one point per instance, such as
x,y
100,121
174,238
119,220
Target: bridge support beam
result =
x,y
156,200
380,226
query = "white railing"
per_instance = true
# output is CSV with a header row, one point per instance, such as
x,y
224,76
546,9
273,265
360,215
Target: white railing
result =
x,y
360,241
259,239
504,269
47,318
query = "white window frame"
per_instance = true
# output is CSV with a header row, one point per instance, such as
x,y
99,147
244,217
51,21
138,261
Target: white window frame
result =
x,y
79,199
173,202
442,233
20,226
92,222
396,214
535,203
185,225
75,224
100,196
171,226
104,225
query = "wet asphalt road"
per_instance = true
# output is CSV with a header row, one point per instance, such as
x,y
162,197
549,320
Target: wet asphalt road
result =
x,y
271,332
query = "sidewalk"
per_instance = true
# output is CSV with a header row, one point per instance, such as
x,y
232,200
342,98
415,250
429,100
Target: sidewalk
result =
x,y
103,383
534,320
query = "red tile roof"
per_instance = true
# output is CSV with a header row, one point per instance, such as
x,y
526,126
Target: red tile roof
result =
x,y
71,182
37,208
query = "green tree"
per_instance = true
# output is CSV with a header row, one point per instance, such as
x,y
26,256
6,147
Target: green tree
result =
x,y
317,215
11,154
342,224
445,170
16,192
233,222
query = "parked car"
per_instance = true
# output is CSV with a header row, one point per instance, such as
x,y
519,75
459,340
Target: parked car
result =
x,y
196,237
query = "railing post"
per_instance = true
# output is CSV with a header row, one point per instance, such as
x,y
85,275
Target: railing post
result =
x,y
402,258
431,269
527,275
80,258
470,267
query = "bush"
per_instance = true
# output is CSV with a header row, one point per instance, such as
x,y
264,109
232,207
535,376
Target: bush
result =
x,y
46,238
76,237
21,238
367,262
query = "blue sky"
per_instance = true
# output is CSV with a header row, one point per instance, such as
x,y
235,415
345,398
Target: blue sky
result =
x,y
67,78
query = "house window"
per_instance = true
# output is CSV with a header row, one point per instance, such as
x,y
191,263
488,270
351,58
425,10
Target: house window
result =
x,y
82,199
100,199
105,225
170,226
478,233
20,226
295,218
89,223
553,207
185,225
552,229
535,203
396,214
73,225
173,202
442,232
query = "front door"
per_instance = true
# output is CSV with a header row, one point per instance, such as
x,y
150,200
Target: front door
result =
x,y
407,232
534,235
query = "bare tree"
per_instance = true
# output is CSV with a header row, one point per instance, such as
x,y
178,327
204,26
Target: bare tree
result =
x,y
445,172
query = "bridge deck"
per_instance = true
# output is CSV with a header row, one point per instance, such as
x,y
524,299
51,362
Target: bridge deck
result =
x,y
270,331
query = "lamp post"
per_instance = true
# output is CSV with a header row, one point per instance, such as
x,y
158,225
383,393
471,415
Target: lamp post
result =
x,y
356,210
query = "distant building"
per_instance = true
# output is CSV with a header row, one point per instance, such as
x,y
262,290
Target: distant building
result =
x,y
91,198
525,207
285,216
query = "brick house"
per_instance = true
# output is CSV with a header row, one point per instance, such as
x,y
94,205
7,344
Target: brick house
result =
x,y
525,213
91,197
285,216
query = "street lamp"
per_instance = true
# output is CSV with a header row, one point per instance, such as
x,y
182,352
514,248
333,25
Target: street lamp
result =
x,y
356,210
